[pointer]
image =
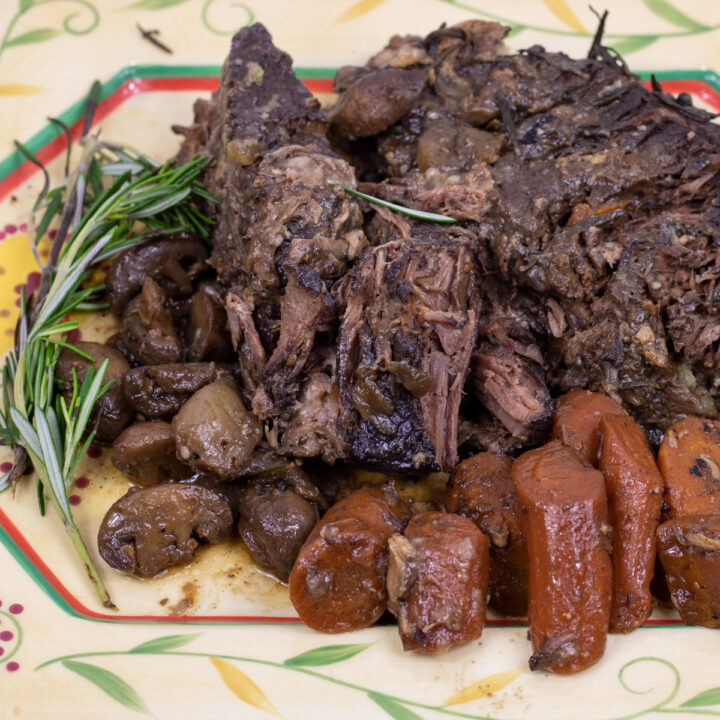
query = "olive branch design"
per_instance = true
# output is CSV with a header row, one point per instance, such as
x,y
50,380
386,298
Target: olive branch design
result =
x,y
69,23
399,708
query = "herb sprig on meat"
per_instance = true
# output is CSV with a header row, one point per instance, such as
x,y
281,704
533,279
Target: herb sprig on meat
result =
x,y
112,189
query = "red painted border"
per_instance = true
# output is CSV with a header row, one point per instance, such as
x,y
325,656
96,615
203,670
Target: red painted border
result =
x,y
125,91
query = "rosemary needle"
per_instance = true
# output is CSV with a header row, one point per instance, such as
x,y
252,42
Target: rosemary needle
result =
x,y
111,189
418,214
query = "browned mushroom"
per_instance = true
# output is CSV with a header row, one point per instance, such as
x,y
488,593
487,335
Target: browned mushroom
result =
x,y
206,333
147,328
111,413
149,529
276,516
214,432
159,391
173,261
145,452
375,101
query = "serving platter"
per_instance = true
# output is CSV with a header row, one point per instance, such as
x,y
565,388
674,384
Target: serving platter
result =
x,y
218,636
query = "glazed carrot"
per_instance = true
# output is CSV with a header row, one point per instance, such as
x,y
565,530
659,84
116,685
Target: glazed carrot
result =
x,y
576,422
481,489
437,581
689,460
634,488
565,513
689,549
338,580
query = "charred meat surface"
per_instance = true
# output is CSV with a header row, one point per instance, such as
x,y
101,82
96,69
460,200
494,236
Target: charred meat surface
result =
x,y
437,581
145,452
404,349
481,489
214,433
149,529
338,581
112,413
277,514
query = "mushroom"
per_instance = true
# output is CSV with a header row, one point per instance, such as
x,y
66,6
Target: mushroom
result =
x,y
145,452
276,516
111,413
159,391
149,529
173,261
147,328
214,432
206,333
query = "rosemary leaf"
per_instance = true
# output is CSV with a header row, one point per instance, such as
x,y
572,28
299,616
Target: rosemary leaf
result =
x,y
417,214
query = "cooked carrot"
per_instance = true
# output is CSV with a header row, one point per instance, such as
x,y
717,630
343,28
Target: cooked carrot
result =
x,y
481,489
634,488
689,460
689,548
338,580
576,422
438,581
565,513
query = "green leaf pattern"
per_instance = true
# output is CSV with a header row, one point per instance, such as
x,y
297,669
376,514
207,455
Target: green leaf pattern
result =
x,y
109,683
708,697
32,36
667,11
326,655
163,644
393,708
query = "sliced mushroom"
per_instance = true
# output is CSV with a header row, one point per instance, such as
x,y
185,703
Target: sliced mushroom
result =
x,y
206,333
149,529
147,328
145,452
111,413
214,432
159,391
173,261
276,516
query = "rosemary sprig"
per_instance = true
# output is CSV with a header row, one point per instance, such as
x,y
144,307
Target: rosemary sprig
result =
x,y
112,189
418,214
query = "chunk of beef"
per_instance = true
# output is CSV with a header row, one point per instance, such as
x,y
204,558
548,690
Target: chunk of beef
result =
x,y
403,351
583,187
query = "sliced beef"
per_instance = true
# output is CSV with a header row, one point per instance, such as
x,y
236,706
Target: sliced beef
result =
x,y
403,351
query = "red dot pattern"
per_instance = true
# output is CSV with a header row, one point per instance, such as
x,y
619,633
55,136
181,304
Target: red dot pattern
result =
x,y
6,636
16,609
13,666
74,499
94,451
82,482
6,467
